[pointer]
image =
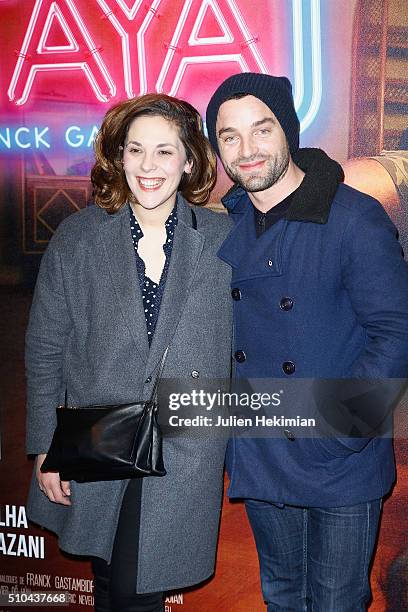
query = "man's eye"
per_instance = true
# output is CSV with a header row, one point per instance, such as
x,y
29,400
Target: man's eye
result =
x,y
263,132
229,139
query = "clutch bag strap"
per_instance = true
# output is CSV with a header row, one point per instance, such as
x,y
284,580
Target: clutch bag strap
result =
x,y
153,397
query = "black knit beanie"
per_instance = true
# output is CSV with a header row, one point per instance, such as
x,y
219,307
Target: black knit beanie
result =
x,y
275,92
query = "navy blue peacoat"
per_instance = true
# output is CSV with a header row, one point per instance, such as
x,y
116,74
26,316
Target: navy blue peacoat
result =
x,y
322,294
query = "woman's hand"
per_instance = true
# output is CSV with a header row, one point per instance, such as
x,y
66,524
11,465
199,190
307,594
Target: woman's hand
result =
x,y
51,485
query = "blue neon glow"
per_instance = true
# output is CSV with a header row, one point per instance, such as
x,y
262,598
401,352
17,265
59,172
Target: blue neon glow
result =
x,y
13,138
77,137
307,60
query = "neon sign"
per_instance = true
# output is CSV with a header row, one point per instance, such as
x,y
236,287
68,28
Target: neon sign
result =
x,y
236,51
307,60
229,41
42,137
35,137
93,68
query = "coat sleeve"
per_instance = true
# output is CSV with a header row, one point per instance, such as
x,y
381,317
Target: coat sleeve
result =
x,y
376,277
48,329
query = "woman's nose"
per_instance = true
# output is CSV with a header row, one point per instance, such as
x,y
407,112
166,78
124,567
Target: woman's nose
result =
x,y
148,164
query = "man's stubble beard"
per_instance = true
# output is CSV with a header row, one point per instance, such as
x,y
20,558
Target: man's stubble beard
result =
x,y
276,167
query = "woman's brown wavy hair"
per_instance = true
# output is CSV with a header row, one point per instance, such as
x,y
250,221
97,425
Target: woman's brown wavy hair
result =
x,y
110,188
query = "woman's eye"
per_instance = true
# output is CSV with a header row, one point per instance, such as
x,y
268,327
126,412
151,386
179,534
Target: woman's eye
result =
x,y
133,150
164,152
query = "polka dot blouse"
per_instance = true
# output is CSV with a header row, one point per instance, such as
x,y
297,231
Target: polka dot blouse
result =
x,y
152,293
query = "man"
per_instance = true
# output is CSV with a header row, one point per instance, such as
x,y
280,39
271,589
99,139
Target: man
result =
x,y
320,291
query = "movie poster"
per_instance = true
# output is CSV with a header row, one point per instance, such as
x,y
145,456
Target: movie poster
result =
x,y
63,63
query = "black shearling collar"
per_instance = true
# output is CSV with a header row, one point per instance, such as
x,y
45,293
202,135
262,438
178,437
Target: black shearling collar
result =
x,y
313,198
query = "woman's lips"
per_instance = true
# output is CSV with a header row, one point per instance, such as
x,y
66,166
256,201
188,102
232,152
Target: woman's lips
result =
x,y
150,184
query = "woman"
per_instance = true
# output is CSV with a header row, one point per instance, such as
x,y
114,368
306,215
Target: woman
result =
x,y
119,283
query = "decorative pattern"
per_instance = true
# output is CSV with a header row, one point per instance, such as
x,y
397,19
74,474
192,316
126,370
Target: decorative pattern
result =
x,y
47,201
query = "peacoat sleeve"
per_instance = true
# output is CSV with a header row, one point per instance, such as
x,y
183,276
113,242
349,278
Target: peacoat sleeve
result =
x,y
48,328
376,277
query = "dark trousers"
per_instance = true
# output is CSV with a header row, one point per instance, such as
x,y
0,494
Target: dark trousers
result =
x,y
115,583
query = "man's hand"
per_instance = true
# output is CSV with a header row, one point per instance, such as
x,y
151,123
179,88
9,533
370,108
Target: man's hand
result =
x,y
51,485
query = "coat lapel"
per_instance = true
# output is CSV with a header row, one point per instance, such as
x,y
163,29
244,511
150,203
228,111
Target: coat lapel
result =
x,y
187,247
120,257
241,239
249,256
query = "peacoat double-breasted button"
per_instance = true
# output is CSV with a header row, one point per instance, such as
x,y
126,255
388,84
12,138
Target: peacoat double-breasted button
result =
x,y
240,356
195,374
148,379
236,294
288,367
289,434
286,303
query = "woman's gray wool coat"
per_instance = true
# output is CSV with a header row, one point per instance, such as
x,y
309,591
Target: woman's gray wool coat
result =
x,y
87,331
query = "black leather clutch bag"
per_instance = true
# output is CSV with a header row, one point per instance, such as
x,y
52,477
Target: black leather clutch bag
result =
x,y
114,442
